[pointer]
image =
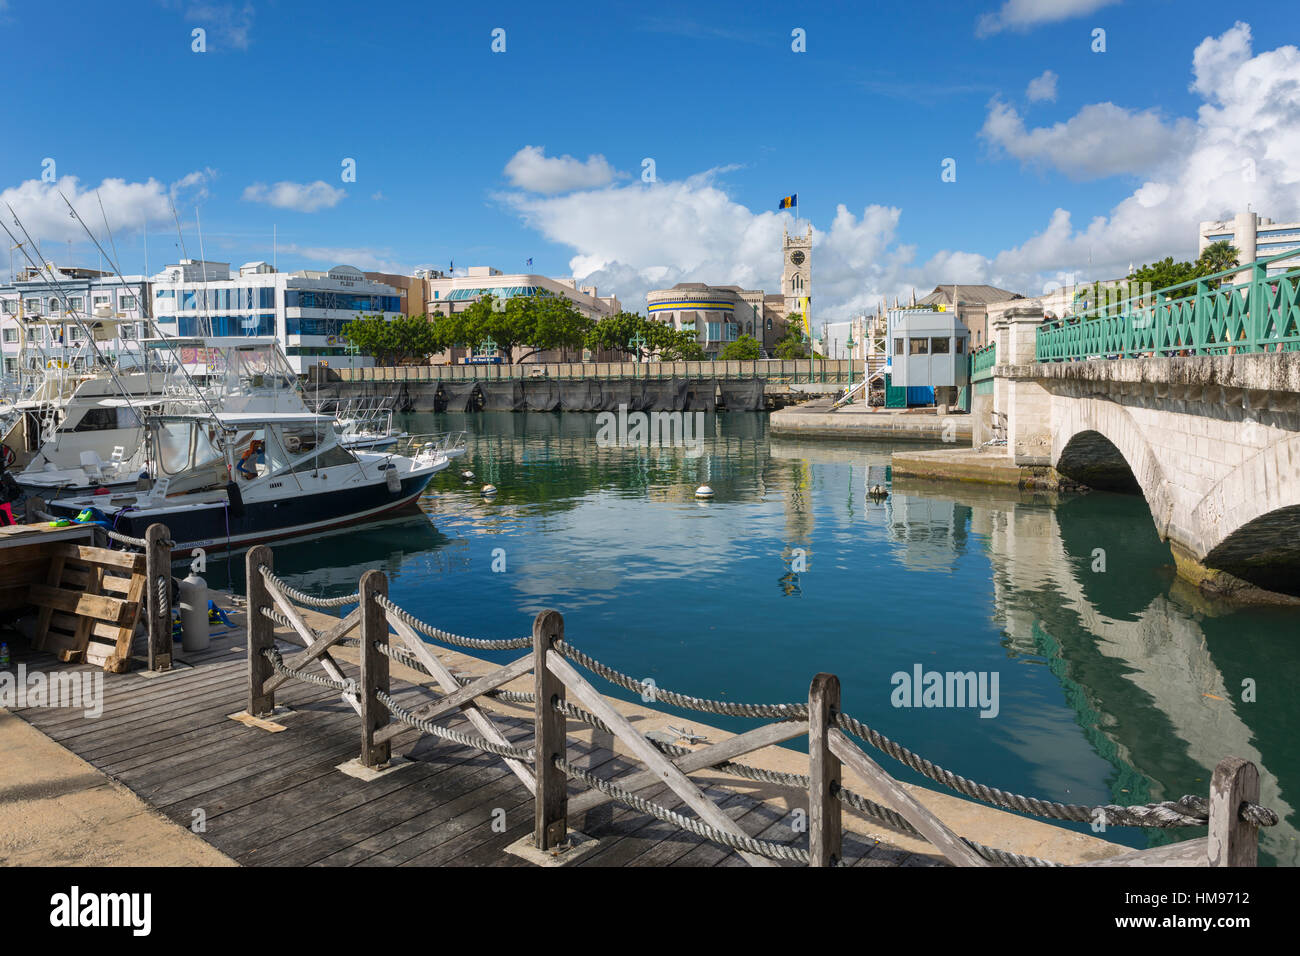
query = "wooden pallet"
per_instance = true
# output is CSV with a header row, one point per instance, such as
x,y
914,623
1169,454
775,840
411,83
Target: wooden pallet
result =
x,y
89,605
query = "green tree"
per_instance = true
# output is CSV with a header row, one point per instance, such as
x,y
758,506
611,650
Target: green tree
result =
x,y
745,348
392,342
616,332
792,344
1218,257
1166,273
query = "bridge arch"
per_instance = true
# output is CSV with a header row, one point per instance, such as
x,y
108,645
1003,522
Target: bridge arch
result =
x,y
1250,519
1097,443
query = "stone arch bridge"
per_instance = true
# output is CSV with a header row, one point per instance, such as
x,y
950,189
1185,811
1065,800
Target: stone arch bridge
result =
x,y
1211,441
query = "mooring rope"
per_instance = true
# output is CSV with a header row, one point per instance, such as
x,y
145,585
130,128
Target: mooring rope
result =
x,y
748,844
467,740
298,597
440,635
273,655
657,693
1187,811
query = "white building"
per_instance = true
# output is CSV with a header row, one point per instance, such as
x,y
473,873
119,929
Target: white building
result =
x,y
1254,237
37,310
446,294
306,310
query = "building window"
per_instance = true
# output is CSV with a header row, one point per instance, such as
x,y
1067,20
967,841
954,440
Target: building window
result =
x,y
34,336
126,332
11,365
74,334
53,305
11,335
126,302
32,306
103,300
938,346
76,303
919,346
9,306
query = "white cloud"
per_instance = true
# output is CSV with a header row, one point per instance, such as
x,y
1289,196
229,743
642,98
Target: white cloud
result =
x,y
1026,14
363,258
1042,88
633,237
300,197
230,26
1102,139
127,206
531,169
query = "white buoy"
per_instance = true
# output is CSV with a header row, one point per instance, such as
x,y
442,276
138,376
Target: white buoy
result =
x,y
489,491
704,491
467,475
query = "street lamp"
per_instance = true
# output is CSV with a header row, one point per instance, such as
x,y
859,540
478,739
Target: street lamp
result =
x,y
638,342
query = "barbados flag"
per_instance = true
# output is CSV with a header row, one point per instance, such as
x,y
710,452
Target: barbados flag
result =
x,y
789,202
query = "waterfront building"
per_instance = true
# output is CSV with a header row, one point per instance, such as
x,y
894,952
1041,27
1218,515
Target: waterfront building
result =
x,y
719,315
37,310
306,310
446,294
972,302
1254,237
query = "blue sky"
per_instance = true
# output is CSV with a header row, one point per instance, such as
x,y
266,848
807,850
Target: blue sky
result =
x,y
253,131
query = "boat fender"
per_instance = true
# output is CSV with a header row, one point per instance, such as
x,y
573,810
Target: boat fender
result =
x,y
393,479
236,500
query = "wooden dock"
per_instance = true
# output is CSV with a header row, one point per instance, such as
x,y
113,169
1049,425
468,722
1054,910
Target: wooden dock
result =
x,y
278,799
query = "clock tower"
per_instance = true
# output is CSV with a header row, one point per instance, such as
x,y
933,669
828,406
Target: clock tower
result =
x,y
796,269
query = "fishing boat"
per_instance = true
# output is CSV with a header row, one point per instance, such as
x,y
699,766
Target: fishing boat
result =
x,y
233,479
99,439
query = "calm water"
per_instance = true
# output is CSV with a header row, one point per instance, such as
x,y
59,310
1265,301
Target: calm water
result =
x,y
1116,685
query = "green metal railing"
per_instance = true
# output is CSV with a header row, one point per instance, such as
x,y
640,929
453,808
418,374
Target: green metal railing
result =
x,y
981,369
1260,315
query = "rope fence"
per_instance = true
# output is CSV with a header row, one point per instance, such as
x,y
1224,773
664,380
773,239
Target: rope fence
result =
x,y
553,676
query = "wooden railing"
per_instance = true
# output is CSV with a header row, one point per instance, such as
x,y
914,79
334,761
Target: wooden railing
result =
x,y
561,693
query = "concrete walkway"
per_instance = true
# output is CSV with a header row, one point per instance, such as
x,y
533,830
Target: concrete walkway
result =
x,y
58,810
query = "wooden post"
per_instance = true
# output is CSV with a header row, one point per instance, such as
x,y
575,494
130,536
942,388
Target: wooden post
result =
x,y
824,812
158,567
1233,841
551,805
374,670
261,631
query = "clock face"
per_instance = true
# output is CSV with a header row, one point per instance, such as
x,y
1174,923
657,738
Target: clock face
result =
x,y
796,258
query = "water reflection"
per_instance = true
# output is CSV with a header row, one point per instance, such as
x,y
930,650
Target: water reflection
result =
x,y
1118,684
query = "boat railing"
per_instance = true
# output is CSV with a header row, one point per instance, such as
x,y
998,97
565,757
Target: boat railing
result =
x,y
441,443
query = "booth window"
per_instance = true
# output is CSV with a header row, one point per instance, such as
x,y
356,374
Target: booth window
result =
x,y
920,346
939,346
898,346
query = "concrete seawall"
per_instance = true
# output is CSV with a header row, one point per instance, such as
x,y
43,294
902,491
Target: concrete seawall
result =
x,y
857,422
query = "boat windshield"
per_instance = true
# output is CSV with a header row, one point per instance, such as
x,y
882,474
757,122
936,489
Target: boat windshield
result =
x,y
182,446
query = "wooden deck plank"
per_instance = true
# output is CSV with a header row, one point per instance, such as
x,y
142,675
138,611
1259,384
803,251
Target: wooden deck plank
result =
x,y
278,799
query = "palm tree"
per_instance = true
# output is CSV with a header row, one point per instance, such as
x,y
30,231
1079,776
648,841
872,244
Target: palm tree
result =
x,y
1218,257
